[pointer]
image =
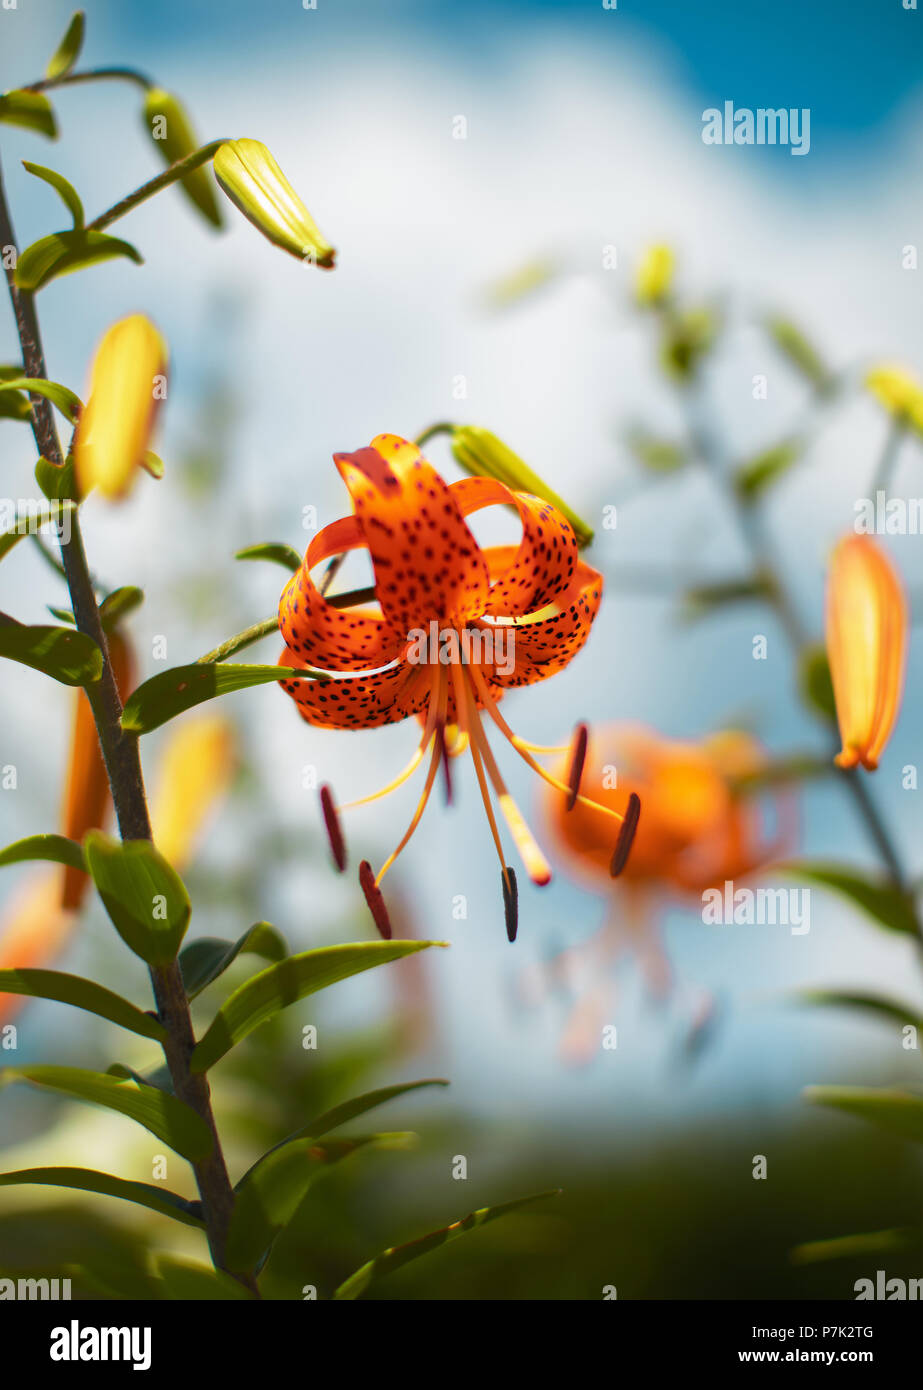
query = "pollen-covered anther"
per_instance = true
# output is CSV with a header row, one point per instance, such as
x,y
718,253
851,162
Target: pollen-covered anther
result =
x,y
510,902
575,768
375,899
333,827
626,835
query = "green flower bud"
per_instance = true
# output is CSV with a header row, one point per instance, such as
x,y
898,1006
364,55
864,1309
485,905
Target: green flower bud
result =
x,y
483,455
257,186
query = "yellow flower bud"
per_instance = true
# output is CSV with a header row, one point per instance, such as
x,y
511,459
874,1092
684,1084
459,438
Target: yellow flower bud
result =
x,y
867,627
126,386
899,391
655,274
254,183
195,771
170,129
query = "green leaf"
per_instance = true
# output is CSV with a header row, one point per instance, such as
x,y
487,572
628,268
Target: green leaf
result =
x,y
757,474
107,1185
815,682
279,554
657,455
891,1009
64,252
119,604
62,186
168,125
83,994
704,599
143,895
204,960
13,404
67,656
69,404
172,692
273,1191
57,481
848,1247
189,1281
68,50
287,982
390,1260
899,1112
877,897
153,464
30,110
28,522
795,347
172,1121
342,1114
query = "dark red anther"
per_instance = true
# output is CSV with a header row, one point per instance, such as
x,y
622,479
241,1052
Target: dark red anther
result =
x,y
510,902
375,899
575,770
334,830
626,835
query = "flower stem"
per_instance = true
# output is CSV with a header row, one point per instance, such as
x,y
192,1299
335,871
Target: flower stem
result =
x,y
172,175
123,766
71,79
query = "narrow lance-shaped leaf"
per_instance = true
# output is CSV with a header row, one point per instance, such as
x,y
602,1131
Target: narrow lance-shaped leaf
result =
x,y
877,897
83,994
68,50
396,1256
172,1121
793,345
64,189
69,404
30,110
62,253
171,131
892,1010
144,895
70,657
119,604
108,1185
900,1112
287,982
172,692
202,961
285,555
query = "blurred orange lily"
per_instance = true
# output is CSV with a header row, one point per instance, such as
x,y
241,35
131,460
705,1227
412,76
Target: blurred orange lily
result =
x,y
867,626
458,626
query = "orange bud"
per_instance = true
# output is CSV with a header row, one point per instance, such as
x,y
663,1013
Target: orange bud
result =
x,y
867,626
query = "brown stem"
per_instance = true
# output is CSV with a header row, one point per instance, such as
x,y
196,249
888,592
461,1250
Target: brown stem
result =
x,y
123,765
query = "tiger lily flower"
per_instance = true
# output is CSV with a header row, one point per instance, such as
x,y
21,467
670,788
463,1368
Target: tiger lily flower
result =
x,y
867,627
458,626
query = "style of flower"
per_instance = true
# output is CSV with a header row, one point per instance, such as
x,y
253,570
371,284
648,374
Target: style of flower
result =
x,y
490,619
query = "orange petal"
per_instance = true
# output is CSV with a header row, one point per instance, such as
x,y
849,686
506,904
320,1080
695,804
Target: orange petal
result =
x,y
428,566
545,641
333,638
540,568
363,701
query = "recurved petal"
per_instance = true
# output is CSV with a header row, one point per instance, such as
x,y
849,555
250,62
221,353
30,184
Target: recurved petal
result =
x,y
334,639
428,566
367,700
545,642
540,568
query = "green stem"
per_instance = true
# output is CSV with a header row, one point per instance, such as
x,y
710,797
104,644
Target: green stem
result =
x,y
443,427
173,174
240,640
123,766
888,460
72,79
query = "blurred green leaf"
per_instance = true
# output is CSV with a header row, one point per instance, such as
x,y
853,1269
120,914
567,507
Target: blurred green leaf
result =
x,y
202,961
798,767
83,994
890,1009
687,337
877,897
390,1260
899,1112
521,283
67,656
794,346
287,982
62,253
163,1115
62,186
815,682
757,474
144,895
276,551
171,692
30,111
13,404
703,599
657,455
57,481
56,848
68,50
153,465
89,1180
169,127
848,1247
188,1281
28,522
119,604
60,396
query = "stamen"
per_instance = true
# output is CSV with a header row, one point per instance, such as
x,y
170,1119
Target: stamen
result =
x,y
446,765
522,746
536,865
577,760
375,899
437,715
462,698
334,830
404,776
510,902
626,835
